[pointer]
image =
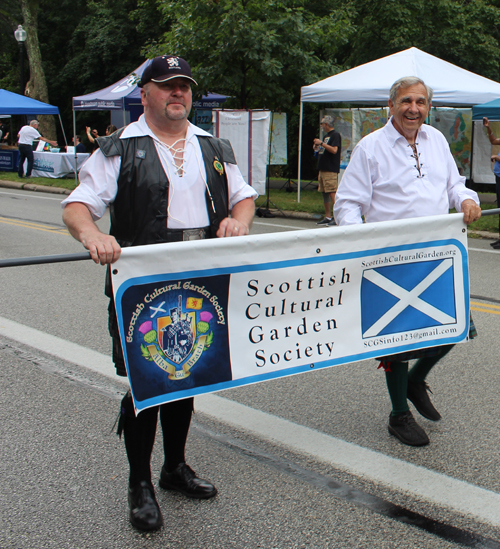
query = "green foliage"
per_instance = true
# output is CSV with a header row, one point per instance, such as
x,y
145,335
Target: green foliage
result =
x,y
256,51
465,33
10,18
89,44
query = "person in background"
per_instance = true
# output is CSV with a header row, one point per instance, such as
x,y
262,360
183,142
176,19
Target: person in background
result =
x,y
401,171
92,135
80,147
496,170
26,136
328,150
4,134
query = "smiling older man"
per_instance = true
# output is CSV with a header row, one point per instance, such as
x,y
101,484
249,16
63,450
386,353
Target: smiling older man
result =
x,y
405,170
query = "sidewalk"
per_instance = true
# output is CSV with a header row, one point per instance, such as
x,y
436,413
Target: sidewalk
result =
x,y
31,187
485,199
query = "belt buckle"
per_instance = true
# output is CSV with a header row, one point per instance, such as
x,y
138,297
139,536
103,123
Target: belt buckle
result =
x,y
193,234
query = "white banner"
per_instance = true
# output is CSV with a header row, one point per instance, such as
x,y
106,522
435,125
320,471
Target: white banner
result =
x,y
278,145
482,166
248,132
201,316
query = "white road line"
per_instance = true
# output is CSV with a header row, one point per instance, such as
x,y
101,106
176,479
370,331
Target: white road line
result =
x,y
278,225
482,250
33,194
393,473
58,347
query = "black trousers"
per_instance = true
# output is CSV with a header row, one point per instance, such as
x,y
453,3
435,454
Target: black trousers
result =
x,y
140,431
25,152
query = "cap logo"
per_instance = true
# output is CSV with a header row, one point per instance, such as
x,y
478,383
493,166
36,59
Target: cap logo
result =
x,y
173,61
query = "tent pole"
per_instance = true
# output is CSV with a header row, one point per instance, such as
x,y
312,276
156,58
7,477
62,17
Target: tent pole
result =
x,y
74,144
471,179
300,150
62,128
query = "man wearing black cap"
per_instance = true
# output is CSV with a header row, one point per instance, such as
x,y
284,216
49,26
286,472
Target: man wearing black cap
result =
x,y
164,180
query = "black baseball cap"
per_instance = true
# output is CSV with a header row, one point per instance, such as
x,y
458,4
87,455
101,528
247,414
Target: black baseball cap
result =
x,y
164,68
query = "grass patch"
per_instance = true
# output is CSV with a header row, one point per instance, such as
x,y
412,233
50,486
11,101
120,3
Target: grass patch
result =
x,y
311,201
62,183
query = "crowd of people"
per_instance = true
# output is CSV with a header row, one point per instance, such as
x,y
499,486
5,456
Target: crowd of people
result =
x,y
29,133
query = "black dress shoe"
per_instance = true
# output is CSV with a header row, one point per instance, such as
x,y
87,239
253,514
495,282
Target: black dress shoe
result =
x,y
144,511
495,245
184,480
404,427
417,393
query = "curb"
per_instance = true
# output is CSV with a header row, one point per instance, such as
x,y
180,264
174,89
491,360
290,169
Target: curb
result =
x,y
32,187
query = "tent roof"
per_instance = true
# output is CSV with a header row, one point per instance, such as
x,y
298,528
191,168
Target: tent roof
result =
x,y
490,110
125,92
370,83
13,103
115,97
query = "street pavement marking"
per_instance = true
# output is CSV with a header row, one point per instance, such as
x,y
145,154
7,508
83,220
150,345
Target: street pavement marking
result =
x,y
393,473
34,225
255,222
483,250
485,308
33,194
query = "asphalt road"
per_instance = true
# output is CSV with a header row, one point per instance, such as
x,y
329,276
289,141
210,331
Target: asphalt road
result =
x,y
301,462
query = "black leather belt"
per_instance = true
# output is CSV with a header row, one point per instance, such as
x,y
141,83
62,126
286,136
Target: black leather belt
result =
x,y
179,235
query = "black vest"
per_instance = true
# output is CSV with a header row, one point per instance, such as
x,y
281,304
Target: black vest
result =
x,y
139,211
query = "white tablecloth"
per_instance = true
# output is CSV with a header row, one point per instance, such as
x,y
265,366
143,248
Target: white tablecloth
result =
x,y
55,165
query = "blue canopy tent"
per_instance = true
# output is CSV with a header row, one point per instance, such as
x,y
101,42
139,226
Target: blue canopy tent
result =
x,y
490,110
13,103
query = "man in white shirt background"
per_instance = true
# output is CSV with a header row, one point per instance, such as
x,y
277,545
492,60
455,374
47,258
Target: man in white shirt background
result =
x,y
401,171
165,180
26,136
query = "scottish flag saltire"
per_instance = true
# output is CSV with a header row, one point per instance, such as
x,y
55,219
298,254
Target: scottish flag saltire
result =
x,y
407,297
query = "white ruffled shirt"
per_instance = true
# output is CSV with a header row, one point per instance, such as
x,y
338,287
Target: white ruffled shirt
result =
x,y
382,181
187,205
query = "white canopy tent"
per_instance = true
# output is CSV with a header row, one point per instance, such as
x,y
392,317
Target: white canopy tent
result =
x,y
369,84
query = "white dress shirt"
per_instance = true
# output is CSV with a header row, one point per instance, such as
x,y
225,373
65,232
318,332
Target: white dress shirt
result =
x,y
383,182
187,204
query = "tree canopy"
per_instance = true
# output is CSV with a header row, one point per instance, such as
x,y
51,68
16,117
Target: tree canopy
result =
x,y
258,52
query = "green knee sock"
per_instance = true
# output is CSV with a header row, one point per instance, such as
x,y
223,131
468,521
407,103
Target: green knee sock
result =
x,y
423,366
397,384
